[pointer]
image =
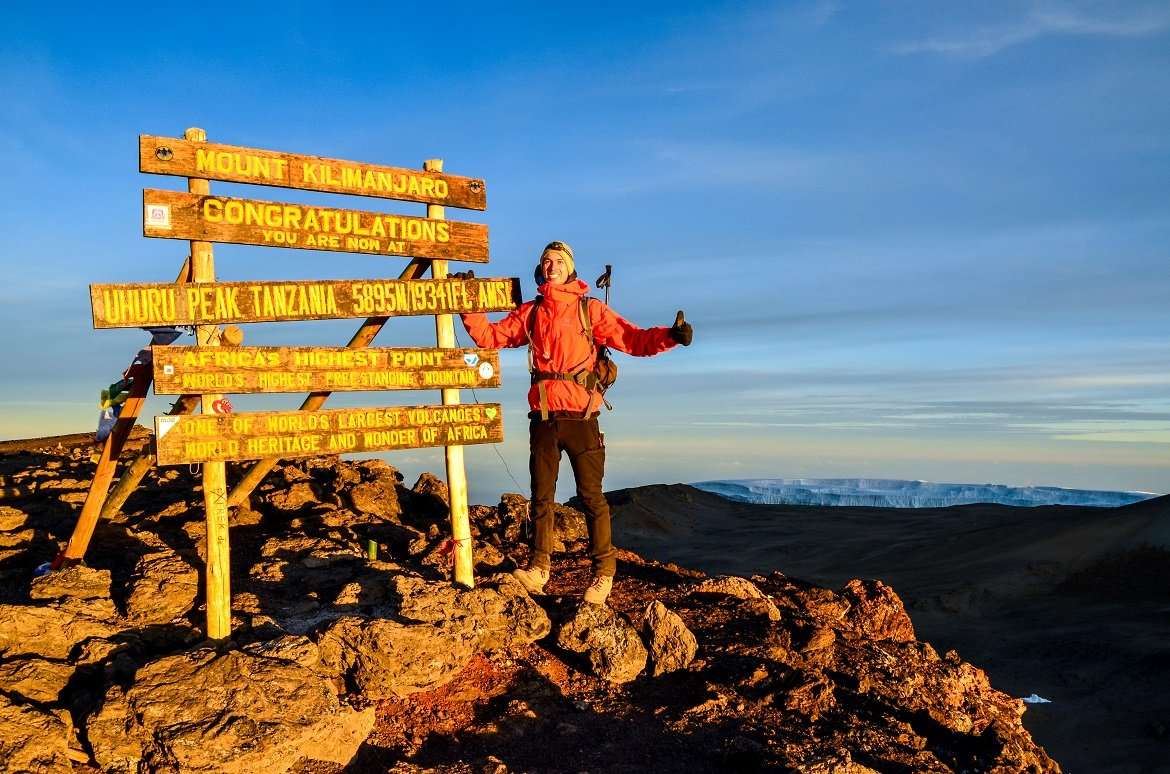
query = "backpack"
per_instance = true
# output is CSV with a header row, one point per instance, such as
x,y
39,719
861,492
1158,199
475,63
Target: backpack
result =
x,y
598,379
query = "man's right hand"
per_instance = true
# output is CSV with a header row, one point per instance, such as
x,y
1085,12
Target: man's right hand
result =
x,y
463,275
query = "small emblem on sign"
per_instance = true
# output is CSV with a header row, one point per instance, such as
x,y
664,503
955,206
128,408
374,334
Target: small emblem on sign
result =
x,y
169,369
165,424
490,412
486,371
222,406
158,215
470,359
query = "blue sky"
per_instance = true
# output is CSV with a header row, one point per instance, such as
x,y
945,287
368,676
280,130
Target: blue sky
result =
x,y
916,239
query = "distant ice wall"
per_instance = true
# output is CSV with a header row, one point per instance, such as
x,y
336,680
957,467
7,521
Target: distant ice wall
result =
x,y
893,493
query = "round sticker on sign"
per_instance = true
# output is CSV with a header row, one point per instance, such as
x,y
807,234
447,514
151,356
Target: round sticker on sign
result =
x,y
486,371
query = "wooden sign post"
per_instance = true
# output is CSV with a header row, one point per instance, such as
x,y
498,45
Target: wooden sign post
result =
x,y
218,581
201,375
456,473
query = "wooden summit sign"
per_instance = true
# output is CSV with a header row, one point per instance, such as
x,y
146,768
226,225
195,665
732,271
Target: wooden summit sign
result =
x,y
255,435
178,215
213,161
218,366
198,370
151,304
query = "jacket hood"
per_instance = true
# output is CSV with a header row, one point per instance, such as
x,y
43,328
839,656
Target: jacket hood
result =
x,y
569,292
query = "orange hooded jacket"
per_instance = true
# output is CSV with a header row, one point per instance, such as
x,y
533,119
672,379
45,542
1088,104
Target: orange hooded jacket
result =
x,y
559,344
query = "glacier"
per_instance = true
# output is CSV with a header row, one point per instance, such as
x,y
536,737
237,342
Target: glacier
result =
x,y
897,493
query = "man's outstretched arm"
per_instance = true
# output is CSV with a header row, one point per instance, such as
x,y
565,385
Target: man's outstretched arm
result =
x,y
508,332
613,330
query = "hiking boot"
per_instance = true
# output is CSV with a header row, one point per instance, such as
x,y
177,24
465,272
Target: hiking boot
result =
x,y
532,578
599,589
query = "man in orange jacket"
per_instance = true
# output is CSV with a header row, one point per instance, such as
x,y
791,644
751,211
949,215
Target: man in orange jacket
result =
x,y
564,402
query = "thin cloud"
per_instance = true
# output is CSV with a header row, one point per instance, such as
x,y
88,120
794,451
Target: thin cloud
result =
x,y
1039,23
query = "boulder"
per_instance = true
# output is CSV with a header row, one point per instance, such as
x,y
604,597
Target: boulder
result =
x,y
513,510
52,631
877,612
498,609
569,523
381,658
671,644
162,589
263,708
741,588
614,649
12,519
292,497
36,679
812,696
77,584
376,498
34,740
430,484
436,628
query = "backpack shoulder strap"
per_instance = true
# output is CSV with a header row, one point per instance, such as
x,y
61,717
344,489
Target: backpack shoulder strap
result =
x,y
586,323
530,326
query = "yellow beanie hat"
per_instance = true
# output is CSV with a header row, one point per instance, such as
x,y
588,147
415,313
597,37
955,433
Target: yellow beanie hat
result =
x,y
563,249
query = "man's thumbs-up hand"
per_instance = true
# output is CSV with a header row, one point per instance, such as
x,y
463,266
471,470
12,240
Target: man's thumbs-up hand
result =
x,y
681,331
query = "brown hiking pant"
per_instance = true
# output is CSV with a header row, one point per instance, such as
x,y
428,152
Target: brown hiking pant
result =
x,y
581,440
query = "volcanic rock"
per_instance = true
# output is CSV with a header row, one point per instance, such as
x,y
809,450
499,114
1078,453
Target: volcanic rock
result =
x,y
498,608
12,519
514,512
671,644
32,739
614,649
292,498
162,589
381,658
53,630
258,709
36,679
876,612
78,586
430,484
741,588
436,629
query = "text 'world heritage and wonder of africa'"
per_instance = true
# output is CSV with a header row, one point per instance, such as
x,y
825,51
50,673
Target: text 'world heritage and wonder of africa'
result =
x,y
210,438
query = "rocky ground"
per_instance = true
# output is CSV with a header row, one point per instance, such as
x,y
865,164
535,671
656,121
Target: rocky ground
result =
x,y
341,662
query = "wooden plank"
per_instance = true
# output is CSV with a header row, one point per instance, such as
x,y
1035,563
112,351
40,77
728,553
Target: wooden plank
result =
x,y
255,435
464,564
137,305
236,164
218,549
195,370
178,215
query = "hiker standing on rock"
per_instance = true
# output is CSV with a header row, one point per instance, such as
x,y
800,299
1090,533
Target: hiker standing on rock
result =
x,y
564,330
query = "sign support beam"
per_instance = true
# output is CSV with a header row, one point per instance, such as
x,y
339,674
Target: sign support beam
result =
x,y
218,566
103,475
456,472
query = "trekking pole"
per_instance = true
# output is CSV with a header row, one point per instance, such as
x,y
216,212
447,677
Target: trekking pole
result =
x,y
605,280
